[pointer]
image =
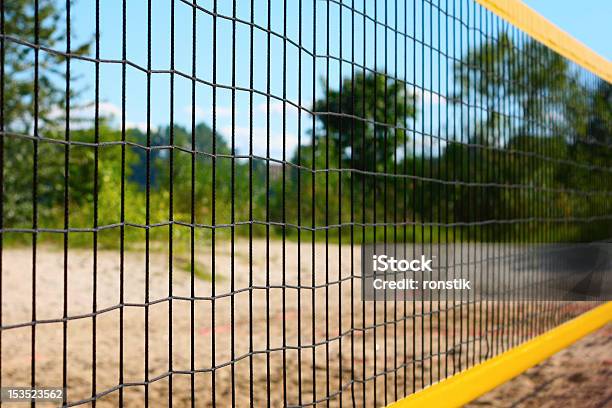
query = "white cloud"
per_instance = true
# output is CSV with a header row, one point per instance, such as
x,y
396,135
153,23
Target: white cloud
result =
x,y
242,135
199,112
108,109
276,107
429,97
88,111
222,111
142,126
427,144
82,116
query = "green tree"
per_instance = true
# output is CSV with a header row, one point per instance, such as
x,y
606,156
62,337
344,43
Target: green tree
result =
x,y
360,126
589,130
28,99
542,128
365,119
532,82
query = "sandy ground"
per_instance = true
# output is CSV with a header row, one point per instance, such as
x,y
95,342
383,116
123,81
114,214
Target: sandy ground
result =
x,y
579,376
160,349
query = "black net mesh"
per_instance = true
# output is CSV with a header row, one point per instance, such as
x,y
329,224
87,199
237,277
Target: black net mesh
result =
x,y
186,187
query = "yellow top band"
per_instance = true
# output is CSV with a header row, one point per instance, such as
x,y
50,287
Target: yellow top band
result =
x,y
523,17
468,385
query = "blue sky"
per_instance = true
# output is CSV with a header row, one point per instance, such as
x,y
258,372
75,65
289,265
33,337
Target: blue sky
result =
x,y
587,20
578,21
280,127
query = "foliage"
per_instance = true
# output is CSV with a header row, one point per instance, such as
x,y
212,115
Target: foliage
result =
x,y
354,175
34,93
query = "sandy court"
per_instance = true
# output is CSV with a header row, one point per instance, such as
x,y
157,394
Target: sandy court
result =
x,y
553,384
266,318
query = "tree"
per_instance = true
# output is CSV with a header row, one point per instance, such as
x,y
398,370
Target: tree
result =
x,y
589,130
26,100
531,81
542,129
360,126
371,109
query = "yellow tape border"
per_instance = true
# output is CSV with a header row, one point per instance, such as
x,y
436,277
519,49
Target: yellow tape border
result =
x,y
476,381
520,15
464,387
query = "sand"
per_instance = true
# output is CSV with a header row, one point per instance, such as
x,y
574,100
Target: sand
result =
x,y
579,376
161,349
